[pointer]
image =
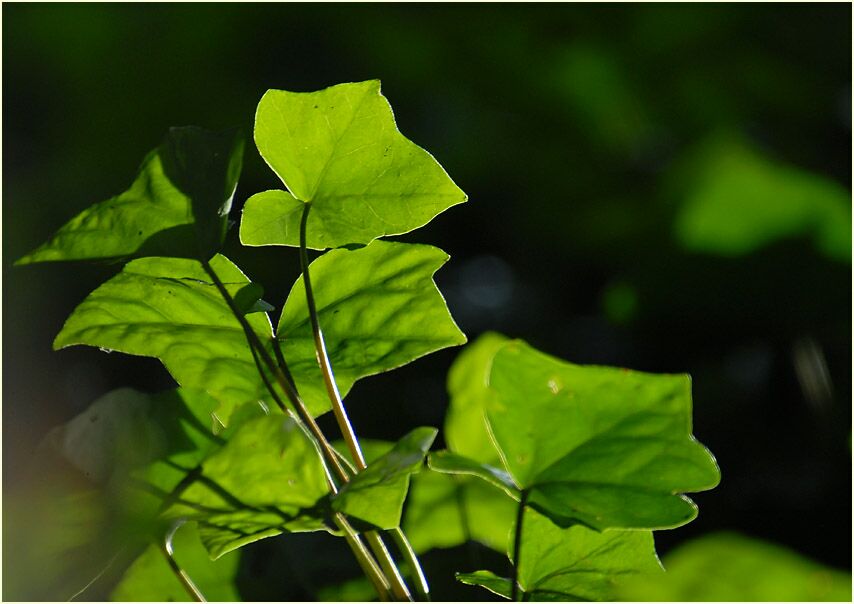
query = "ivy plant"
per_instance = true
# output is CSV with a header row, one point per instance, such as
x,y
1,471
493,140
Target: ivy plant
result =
x,y
566,468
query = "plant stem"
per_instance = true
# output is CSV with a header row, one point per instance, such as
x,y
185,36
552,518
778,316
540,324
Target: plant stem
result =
x,y
183,577
320,352
517,546
366,561
344,421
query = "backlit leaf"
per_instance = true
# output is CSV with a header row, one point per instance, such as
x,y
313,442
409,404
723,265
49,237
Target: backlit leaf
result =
x,y
602,446
375,495
167,308
339,149
379,309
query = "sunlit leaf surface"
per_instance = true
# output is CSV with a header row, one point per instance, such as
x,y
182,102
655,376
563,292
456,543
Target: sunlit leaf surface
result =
x,y
339,149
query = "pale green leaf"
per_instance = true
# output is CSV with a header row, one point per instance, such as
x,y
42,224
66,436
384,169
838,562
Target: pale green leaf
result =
x,y
466,429
727,567
379,309
150,579
340,150
602,446
448,510
167,308
176,206
375,495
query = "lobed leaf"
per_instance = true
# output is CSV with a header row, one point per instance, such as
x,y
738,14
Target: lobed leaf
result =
x,y
176,206
167,308
375,495
379,309
600,446
340,150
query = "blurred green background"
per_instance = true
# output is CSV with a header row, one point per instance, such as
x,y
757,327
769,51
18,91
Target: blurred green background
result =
x,y
664,187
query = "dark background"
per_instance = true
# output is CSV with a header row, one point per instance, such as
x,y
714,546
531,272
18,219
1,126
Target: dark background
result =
x,y
568,126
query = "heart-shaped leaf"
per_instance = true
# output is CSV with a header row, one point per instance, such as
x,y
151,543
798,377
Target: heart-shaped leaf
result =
x,y
176,206
167,308
600,446
375,495
379,309
340,150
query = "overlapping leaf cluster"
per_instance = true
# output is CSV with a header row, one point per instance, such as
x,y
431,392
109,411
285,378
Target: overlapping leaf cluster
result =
x,y
583,461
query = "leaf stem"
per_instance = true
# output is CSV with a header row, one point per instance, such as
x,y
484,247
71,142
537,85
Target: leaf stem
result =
x,y
344,424
517,546
183,577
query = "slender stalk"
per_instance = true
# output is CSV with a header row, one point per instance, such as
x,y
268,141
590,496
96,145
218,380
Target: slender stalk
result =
x,y
343,420
183,577
320,352
366,561
405,548
328,454
398,586
517,546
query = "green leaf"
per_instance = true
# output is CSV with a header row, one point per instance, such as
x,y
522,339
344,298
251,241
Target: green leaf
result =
x,y
488,580
375,495
339,149
445,511
575,564
602,446
379,309
466,429
176,206
449,463
736,201
167,308
728,567
267,479
150,579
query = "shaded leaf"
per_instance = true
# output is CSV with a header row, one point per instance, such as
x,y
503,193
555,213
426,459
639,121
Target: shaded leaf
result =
x,y
176,206
265,480
466,429
379,309
727,567
375,495
340,150
167,308
150,579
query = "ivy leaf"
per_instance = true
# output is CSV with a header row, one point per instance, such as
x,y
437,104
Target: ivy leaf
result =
x,y
728,567
445,511
600,446
167,308
339,149
149,578
379,309
466,429
575,563
449,463
176,206
488,580
375,495
265,480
